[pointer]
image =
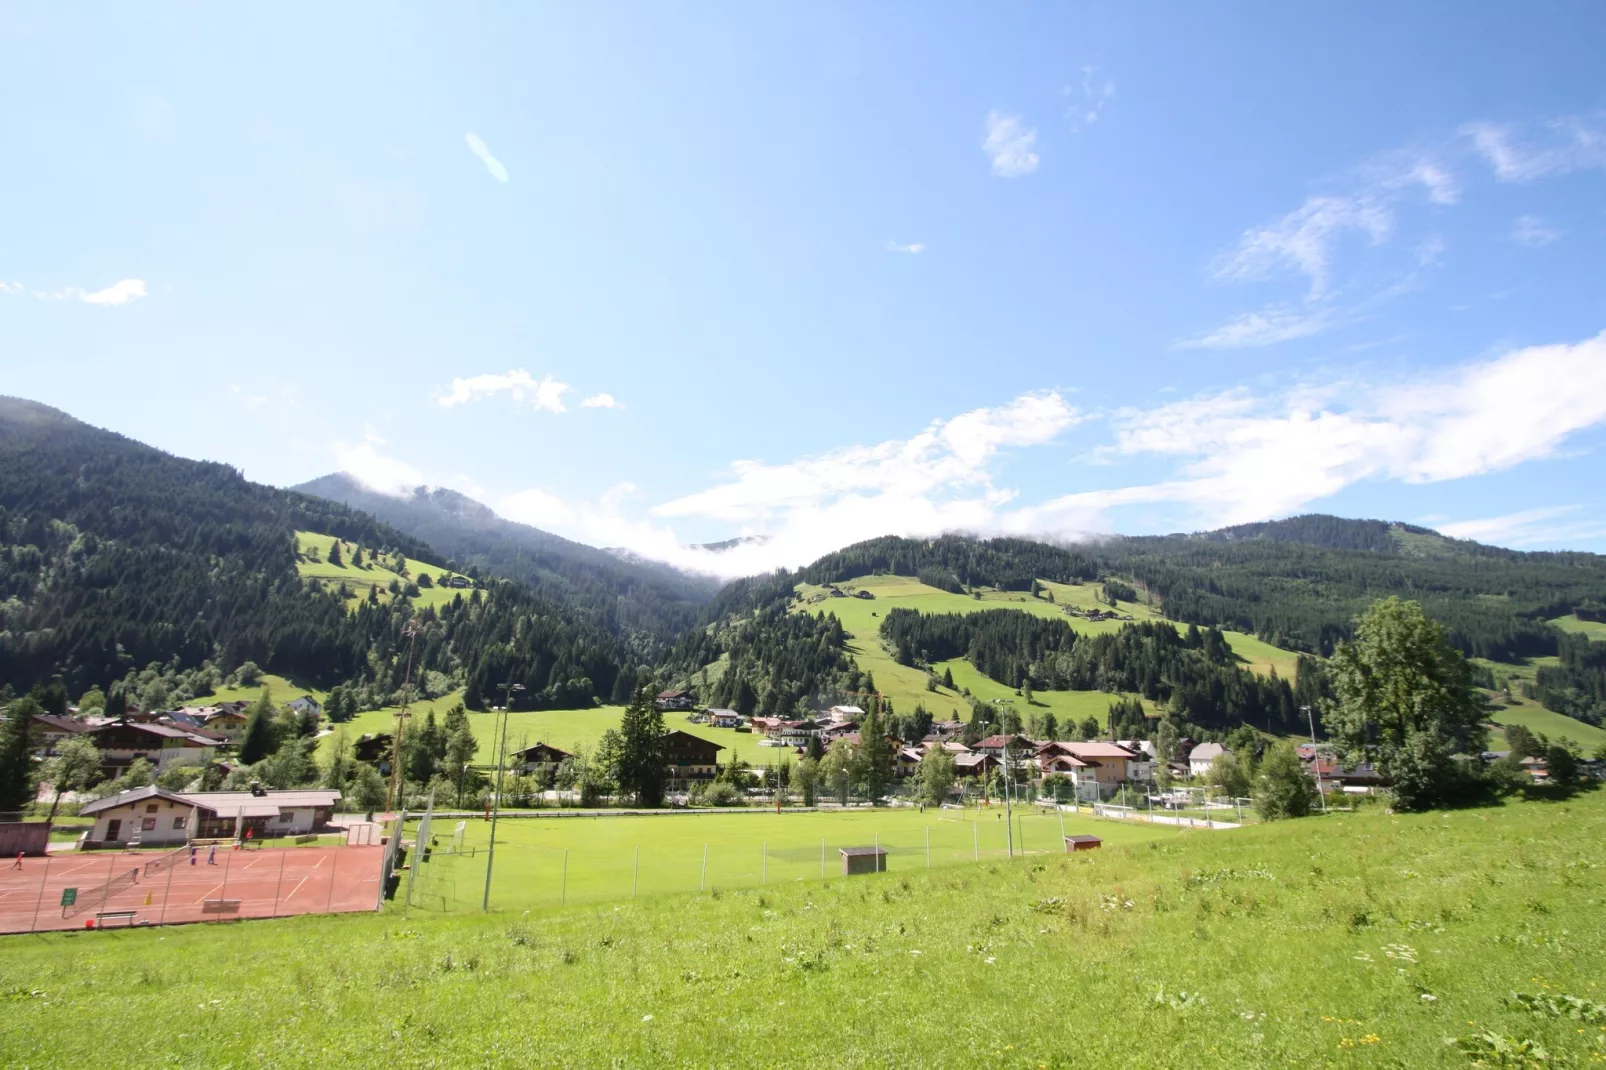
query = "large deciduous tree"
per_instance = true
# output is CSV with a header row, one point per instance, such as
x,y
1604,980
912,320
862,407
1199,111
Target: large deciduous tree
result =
x,y
1405,702
76,767
16,756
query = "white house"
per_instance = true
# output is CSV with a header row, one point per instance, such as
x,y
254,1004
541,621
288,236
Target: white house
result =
x,y
157,816
846,713
1203,757
721,718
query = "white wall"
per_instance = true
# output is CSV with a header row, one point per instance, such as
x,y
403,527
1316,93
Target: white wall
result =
x,y
134,815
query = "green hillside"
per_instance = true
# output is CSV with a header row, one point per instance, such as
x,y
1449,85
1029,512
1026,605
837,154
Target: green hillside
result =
x,y
906,685
313,564
1348,941
1593,628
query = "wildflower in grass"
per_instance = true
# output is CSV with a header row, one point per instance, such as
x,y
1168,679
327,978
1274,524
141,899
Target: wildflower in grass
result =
x,y
646,1017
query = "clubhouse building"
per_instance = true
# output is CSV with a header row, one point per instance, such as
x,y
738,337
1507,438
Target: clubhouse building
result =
x,y
146,816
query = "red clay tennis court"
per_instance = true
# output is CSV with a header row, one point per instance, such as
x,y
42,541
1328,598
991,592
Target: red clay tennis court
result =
x,y
118,888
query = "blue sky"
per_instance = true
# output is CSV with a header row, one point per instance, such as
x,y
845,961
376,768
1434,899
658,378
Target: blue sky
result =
x,y
647,275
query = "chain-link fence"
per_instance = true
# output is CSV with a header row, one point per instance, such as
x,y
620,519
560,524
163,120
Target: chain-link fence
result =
x,y
194,883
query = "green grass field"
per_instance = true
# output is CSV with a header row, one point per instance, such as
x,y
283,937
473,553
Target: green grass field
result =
x,y
906,686
544,862
1592,628
1553,725
565,729
1356,940
312,564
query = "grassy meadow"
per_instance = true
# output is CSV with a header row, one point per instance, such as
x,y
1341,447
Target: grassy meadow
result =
x,y
313,565
1593,628
1354,940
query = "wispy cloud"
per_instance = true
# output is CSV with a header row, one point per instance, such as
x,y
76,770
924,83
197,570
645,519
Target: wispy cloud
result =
x,y
1560,146
914,248
1270,325
1010,145
544,393
1531,231
1513,529
477,146
601,401
1247,458
1303,239
118,293
1096,94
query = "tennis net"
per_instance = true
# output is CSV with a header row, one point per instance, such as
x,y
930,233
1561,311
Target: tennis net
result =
x,y
177,856
96,899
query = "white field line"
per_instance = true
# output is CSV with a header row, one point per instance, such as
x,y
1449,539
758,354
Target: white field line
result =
x,y
296,889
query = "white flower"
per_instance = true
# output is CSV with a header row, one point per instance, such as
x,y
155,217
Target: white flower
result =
x,y
646,1017
1429,997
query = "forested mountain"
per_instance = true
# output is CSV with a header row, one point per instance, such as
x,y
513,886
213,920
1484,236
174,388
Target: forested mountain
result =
x,y
114,555
617,593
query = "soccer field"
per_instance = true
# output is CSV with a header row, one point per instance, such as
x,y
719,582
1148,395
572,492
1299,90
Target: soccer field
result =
x,y
544,862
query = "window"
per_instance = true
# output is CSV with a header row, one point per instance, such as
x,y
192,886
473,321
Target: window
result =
x,y
178,822
152,808
284,819
148,824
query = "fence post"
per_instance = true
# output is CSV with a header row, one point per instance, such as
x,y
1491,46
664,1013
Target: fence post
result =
x,y
702,882
106,891
279,884
329,903
228,862
40,902
635,876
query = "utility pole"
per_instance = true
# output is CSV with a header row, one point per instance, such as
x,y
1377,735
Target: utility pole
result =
x,y
1009,813
509,689
1316,759
393,798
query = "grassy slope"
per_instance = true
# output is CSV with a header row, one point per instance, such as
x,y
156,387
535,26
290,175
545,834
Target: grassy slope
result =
x,y
358,580
907,686
1294,944
1592,628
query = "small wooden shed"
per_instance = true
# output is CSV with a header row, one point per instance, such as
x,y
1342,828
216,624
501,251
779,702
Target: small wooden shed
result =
x,y
856,860
1081,843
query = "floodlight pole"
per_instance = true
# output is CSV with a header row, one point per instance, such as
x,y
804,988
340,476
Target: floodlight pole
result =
x,y
509,689
1315,757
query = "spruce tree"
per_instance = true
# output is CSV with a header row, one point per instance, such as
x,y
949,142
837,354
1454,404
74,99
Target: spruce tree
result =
x,y
16,756
334,554
642,762
257,741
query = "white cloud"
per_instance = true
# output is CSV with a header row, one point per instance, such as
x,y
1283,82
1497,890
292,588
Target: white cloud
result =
x,y
914,248
1009,144
1531,231
492,164
375,470
947,456
1572,143
1276,323
601,401
119,293
1530,525
1440,184
544,393
1246,458
536,507
1303,239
